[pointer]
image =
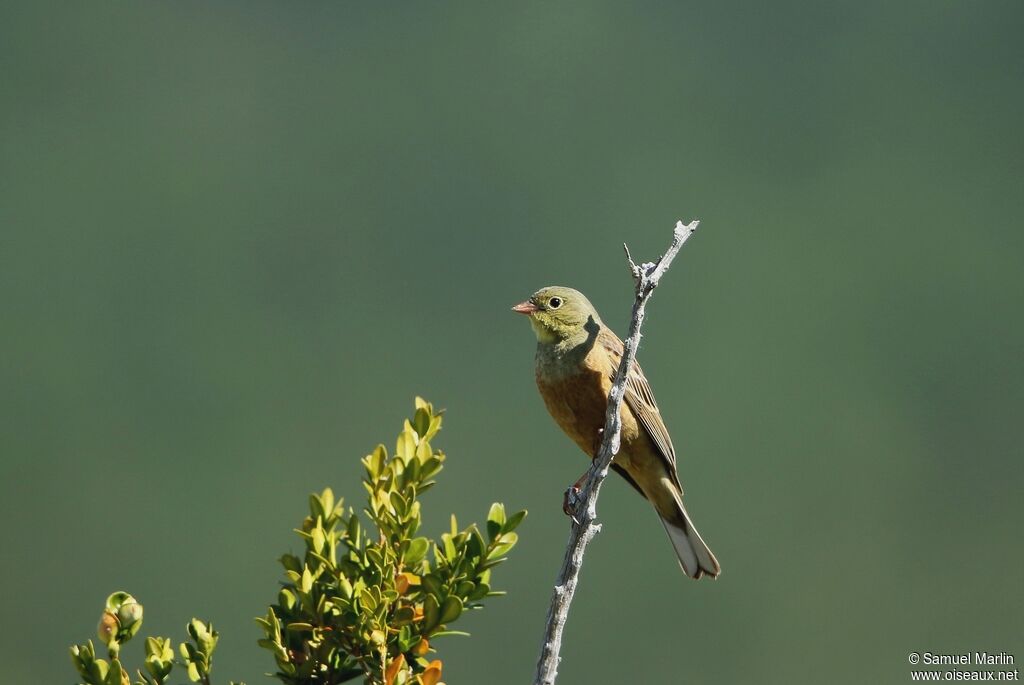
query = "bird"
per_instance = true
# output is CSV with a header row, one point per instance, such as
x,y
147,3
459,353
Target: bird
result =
x,y
576,360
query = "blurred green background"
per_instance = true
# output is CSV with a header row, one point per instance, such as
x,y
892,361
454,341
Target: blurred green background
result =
x,y
236,239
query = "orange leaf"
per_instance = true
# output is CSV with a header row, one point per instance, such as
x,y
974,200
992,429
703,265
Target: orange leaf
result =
x,y
403,581
393,668
432,676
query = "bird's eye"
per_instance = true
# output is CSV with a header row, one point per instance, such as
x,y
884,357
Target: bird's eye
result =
x,y
555,302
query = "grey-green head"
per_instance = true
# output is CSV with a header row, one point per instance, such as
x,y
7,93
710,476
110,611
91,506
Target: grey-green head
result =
x,y
558,313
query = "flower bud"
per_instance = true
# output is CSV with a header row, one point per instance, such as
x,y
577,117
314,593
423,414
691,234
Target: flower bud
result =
x,y
129,614
108,627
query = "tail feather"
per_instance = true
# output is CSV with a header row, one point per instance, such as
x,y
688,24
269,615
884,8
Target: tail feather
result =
x,y
695,558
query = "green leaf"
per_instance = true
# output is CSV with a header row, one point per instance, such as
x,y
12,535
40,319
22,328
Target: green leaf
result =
x,y
354,532
513,521
450,610
159,658
495,520
417,550
492,562
405,447
76,659
505,543
317,537
421,421
435,425
400,505
403,615
204,635
114,674
475,545
446,633
316,508
98,670
159,648
368,600
479,592
449,547
306,581
431,612
327,498
286,598
412,473
374,463
345,587
430,468
432,584
291,562
405,639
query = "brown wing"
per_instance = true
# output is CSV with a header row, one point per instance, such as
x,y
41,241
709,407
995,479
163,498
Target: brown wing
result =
x,y
640,399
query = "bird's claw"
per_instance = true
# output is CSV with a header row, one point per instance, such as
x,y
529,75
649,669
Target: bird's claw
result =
x,y
569,502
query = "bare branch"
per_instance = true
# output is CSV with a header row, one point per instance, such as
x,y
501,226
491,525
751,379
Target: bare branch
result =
x,y
584,505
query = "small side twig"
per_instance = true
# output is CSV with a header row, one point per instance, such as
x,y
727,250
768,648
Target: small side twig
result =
x,y
584,505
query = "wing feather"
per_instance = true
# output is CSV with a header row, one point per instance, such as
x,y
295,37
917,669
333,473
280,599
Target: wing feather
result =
x,y
640,399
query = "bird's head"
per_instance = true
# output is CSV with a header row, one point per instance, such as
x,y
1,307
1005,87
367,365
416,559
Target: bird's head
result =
x,y
558,313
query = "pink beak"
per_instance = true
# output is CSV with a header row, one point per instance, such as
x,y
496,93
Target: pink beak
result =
x,y
526,308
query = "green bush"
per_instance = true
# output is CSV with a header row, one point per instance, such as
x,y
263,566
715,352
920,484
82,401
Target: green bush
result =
x,y
370,603
120,621
360,602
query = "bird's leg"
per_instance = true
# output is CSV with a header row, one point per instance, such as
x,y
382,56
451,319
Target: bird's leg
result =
x,y
571,499
572,496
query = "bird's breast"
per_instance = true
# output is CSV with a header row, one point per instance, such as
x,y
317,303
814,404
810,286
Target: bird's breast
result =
x,y
577,402
575,386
